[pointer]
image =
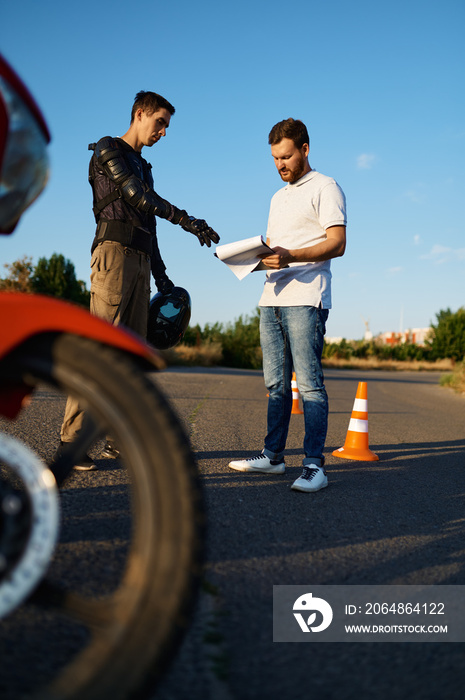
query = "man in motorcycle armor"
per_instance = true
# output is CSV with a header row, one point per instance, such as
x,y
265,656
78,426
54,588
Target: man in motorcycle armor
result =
x,y
125,250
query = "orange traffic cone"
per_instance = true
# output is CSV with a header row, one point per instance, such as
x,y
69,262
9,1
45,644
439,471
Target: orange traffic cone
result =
x,y
356,444
295,397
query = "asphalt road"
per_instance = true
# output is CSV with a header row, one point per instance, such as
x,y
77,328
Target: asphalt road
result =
x,y
396,521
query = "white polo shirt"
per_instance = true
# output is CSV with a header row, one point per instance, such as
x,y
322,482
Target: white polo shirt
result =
x,y
299,215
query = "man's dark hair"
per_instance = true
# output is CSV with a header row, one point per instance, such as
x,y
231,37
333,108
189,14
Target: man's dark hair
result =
x,y
150,102
289,129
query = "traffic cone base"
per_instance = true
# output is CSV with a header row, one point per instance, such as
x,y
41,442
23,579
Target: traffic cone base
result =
x,y
364,455
356,444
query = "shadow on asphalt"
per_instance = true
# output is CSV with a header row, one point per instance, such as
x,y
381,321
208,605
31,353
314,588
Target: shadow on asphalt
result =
x,y
385,452
380,522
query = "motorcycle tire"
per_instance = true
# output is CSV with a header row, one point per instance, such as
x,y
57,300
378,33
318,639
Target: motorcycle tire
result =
x,y
131,632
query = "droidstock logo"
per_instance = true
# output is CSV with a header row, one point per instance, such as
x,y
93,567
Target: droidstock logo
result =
x,y
308,604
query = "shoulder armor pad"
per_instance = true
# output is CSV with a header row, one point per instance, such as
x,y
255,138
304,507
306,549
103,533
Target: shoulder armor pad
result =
x,y
108,151
106,144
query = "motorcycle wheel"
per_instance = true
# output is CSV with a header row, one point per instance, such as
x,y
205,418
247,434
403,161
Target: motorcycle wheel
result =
x,y
124,633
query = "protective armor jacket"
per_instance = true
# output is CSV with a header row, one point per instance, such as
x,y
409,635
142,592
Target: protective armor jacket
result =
x,y
124,201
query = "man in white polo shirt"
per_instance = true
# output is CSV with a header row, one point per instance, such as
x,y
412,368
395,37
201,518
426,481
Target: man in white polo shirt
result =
x,y
306,229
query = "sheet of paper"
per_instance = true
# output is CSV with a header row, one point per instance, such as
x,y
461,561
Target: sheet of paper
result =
x,y
243,257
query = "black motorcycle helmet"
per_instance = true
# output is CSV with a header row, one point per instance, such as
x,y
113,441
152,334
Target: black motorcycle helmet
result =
x,y
169,316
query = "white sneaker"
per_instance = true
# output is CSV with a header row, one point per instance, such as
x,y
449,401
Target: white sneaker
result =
x,y
313,478
261,463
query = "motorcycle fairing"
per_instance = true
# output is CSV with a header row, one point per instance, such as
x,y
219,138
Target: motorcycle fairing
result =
x,y
26,315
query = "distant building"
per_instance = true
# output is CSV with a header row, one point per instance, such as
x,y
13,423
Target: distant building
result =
x,y
414,336
333,341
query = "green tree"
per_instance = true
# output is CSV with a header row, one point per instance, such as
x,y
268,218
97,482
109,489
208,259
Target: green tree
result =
x,y
448,340
56,277
19,276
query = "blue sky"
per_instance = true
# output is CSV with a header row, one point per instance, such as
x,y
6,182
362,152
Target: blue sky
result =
x,y
380,87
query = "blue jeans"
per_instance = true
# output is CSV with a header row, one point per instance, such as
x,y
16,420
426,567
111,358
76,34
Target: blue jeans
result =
x,y
292,340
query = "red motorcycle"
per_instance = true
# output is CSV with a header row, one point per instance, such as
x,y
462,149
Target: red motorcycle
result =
x,y
113,641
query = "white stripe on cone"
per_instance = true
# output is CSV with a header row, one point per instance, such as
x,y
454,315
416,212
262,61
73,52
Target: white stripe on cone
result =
x,y
361,406
358,426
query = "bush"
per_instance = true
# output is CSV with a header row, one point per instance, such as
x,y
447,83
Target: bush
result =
x,y
237,344
239,341
448,335
360,349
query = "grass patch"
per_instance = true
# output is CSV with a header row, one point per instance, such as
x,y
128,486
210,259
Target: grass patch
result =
x,y
456,379
208,354
366,363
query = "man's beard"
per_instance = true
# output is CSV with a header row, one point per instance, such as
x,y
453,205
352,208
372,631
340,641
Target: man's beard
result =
x,y
294,175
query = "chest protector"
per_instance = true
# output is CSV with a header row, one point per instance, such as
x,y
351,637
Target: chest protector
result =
x,y
112,167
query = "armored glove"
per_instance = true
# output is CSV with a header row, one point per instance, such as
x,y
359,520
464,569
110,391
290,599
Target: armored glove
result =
x,y
164,284
199,228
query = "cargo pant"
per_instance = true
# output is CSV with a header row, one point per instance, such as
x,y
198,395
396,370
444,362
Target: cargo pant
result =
x,y
120,294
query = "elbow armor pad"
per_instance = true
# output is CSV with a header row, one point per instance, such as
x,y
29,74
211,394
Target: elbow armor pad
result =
x,y
138,195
